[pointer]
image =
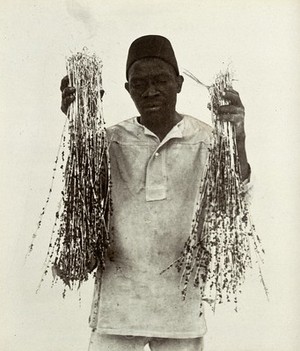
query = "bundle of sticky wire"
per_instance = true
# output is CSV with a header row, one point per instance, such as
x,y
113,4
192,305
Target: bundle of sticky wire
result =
x,y
82,236
218,249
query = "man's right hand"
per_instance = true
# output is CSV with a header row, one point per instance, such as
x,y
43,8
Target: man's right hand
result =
x,y
67,94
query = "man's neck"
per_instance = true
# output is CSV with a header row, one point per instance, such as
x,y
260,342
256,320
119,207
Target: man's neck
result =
x,y
160,125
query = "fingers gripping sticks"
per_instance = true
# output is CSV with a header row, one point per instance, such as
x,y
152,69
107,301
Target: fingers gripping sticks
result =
x,y
218,250
83,232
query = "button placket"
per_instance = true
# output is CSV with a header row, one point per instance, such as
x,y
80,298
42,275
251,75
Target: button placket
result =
x,y
156,177
156,187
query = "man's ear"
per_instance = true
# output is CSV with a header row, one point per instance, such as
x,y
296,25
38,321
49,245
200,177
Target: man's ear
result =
x,y
126,85
179,80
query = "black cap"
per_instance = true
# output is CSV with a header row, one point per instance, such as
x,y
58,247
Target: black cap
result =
x,y
151,46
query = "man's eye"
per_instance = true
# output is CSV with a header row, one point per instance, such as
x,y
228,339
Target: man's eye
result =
x,y
161,81
137,85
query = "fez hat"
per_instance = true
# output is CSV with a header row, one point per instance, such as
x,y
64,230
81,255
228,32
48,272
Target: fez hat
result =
x,y
151,46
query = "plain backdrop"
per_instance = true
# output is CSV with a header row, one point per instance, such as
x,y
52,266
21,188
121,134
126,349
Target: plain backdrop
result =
x,y
261,41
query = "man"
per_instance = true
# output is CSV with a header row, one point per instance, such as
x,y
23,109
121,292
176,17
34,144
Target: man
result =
x,y
157,161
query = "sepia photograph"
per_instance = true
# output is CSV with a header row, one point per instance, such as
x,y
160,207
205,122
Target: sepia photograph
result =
x,y
150,175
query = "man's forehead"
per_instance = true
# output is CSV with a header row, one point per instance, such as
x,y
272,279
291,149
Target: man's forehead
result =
x,y
150,66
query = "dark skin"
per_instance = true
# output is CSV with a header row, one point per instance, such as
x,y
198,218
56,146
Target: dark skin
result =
x,y
67,94
153,86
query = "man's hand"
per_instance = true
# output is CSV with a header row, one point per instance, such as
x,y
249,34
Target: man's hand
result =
x,y
233,112
67,94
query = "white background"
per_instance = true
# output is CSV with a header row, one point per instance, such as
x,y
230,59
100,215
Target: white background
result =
x,y
260,38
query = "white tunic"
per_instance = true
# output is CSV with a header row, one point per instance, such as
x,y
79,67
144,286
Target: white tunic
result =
x,y
154,187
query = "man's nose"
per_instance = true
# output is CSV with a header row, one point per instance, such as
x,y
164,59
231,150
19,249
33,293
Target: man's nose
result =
x,y
151,90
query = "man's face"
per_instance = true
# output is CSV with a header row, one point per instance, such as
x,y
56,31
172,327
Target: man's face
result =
x,y
153,86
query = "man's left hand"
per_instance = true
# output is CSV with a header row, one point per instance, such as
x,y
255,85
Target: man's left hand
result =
x,y
233,112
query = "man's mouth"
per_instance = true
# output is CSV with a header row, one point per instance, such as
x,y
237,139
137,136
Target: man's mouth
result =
x,y
153,106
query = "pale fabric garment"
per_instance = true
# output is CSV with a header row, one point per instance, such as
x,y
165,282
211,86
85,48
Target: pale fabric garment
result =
x,y
154,187
104,342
